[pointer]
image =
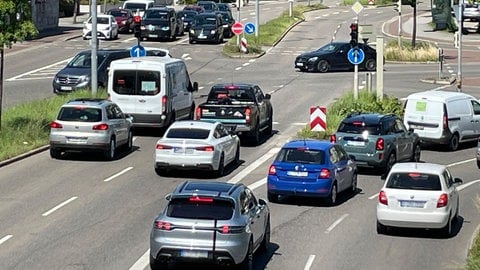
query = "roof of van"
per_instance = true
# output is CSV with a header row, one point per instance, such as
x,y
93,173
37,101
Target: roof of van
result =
x,y
438,95
147,60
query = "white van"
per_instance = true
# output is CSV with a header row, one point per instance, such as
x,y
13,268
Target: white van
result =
x,y
155,91
443,117
138,5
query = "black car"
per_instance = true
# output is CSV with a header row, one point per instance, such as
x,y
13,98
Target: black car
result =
x,y
228,21
159,23
206,27
188,16
334,56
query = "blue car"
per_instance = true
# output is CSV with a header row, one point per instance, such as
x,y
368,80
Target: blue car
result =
x,y
311,168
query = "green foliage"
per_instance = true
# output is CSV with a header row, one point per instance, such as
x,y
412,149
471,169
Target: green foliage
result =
x,y
16,22
423,52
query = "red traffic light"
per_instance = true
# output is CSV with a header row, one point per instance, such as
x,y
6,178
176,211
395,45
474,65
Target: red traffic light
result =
x,y
137,19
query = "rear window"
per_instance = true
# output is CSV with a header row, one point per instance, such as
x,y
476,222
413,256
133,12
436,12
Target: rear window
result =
x,y
201,209
80,114
135,6
136,82
424,107
187,133
418,181
359,128
230,96
301,155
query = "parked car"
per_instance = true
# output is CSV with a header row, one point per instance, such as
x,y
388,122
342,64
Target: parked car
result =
x,y
90,125
197,145
187,16
443,117
377,140
107,27
228,21
418,195
124,19
311,168
159,23
471,12
209,6
206,27
213,222
334,56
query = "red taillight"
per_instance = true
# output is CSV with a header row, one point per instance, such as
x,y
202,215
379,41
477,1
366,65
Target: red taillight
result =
x,y
333,138
164,103
198,113
379,144
248,111
324,173
56,125
163,225
137,19
201,199
163,147
442,200
225,229
102,126
208,148
272,170
445,122
382,198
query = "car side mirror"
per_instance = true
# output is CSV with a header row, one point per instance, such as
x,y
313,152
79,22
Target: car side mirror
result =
x,y
168,197
268,96
262,202
195,87
457,180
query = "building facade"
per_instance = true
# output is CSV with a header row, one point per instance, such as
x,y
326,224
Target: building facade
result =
x,y
45,14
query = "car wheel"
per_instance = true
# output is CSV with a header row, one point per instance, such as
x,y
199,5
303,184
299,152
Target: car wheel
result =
x,y
55,153
390,162
191,114
255,137
381,229
221,166
237,155
332,197
129,144
247,263
190,41
447,230
478,164
110,152
269,129
353,189
455,217
266,236
453,144
371,64
416,153
157,265
323,66
273,198
160,171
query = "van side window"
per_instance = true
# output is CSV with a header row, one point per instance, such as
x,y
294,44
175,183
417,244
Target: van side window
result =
x,y
133,82
476,107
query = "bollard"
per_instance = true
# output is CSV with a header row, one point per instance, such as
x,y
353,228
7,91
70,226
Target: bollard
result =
x,y
243,45
440,61
368,80
290,9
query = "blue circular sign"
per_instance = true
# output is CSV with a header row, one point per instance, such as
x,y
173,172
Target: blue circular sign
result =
x,y
137,51
356,55
249,28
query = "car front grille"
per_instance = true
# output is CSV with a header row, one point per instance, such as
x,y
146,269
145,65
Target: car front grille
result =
x,y
67,80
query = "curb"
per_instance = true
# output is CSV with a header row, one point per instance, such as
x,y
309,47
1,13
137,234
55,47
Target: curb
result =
x,y
24,155
442,81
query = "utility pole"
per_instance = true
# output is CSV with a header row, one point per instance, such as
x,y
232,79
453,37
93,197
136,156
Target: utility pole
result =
x,y
399,7
94,40
459,49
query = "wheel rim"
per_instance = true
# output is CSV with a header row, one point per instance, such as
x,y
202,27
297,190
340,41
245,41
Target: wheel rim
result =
x,y
130,140
391,161
354,183
370,64
221,165
333,195
454,142
112,149
417,153
323,66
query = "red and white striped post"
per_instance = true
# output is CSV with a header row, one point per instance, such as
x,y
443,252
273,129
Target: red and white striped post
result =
x,y
243,45
318,118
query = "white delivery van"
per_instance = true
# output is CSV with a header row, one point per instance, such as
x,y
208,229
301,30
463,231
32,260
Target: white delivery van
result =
x,y
155,91
443,117
138,6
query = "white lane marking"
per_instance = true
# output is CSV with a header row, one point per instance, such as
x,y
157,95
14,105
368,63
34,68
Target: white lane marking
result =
x,y
5,238
118,174
141,263
237,178
38,69
59,206
373,196
329,229
258,183
460,162
299,124
245,64
309,262
238,68
463,186
35,78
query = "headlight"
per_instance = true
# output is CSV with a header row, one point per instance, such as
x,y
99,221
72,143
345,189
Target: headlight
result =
x,y
313,59
142,27
84,78
192,31
165,28
213,31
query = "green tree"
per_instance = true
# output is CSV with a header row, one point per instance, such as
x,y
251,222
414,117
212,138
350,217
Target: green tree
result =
x,y
15,22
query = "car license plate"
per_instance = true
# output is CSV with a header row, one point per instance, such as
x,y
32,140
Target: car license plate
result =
x,y
152,36
300,64
181,150
416,127
296,173
77,140
356,143
202,36
66,88
194,253
412,204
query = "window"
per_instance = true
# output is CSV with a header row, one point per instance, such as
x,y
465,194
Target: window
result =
x,y
80,114
136,82
187,133
413,180
301,155
476,107
185,208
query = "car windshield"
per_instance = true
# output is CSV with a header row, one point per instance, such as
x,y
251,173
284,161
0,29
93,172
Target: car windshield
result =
x,y
204,20
80,114
230,96
135,6
413,180
187,133
156,14
301,155
360,128
84,60
331,47
200,208
100,20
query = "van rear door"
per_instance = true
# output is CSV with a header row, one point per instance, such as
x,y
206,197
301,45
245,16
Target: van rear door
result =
x,y
425,117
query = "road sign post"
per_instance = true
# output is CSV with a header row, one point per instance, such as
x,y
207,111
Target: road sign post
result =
x,y
356,56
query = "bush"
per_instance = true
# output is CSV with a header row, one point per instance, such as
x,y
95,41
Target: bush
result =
x,y
423,51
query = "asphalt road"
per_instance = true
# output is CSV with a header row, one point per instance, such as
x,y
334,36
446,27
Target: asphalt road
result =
x,y
86,213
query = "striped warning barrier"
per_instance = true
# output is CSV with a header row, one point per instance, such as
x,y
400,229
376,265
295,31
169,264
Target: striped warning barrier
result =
x,y
318,118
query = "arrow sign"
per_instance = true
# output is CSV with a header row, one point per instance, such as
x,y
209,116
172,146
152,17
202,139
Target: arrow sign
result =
x,y
137,51
356,55
249,28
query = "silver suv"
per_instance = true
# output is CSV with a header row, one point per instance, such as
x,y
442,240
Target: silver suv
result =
x,y
90,125
213,222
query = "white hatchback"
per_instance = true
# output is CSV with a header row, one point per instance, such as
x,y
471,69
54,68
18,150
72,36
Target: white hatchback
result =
x,y
418,195
107,27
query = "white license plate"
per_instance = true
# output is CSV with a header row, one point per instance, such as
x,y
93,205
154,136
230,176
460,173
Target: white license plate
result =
x,y
300,64
295,173
152,36
194,253
202,36
180,150
413,204
66,87
77,140
356,143
416,127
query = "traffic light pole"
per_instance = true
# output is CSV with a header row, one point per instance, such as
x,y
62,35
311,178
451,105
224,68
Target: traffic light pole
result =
x,y
399,23
354,43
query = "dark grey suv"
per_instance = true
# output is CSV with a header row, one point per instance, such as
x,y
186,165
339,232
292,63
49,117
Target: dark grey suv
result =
x,y
377,140
213,222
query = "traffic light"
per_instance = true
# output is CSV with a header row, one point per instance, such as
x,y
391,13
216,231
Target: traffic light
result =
x,y
397,6
354,34
137,24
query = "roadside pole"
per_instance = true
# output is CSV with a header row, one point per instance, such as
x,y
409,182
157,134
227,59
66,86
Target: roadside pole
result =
x,y
94,40
379,49
238,19
459,49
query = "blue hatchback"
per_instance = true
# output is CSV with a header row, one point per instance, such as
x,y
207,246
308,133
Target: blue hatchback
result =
x,y
311,168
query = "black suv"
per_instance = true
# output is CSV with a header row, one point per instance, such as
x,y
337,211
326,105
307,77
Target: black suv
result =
x,y
377,140
159,23
206,27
